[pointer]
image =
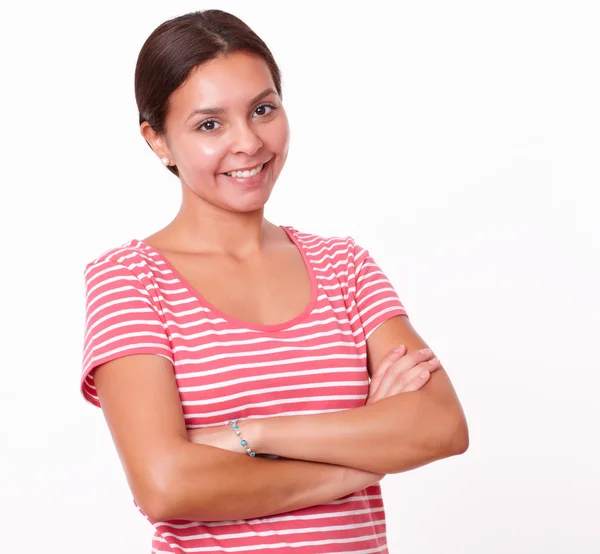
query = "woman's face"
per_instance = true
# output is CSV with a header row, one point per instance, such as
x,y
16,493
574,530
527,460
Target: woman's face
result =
x,y
227,132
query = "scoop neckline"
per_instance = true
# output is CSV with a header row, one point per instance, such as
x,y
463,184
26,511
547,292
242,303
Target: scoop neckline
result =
x,y
290,231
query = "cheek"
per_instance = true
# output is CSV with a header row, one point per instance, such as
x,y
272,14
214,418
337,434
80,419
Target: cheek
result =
x,y
204,156
277,136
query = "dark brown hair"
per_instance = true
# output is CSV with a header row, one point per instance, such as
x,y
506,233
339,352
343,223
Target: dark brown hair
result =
x,y
179,45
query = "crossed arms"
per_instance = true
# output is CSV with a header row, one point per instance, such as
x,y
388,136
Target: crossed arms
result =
x,y
174,475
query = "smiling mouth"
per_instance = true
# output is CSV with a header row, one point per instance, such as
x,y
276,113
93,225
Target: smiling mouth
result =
x,y
247,172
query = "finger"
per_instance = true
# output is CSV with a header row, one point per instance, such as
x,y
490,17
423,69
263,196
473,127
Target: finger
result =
x,y
396,382
391,357
387,382
421,371
435,365
411,359
397,375
393,379
418,382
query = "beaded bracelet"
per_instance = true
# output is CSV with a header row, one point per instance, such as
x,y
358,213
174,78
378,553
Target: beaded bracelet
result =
x,y
234,426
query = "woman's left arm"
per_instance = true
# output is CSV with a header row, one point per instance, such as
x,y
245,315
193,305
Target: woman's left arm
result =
x,y
392,435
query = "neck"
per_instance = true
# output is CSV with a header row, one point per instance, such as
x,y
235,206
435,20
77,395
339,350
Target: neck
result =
x,y
212,230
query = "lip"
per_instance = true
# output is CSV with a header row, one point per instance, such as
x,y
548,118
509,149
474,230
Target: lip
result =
x,y
250,182
247,168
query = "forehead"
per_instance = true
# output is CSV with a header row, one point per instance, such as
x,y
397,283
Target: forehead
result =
x,y
224,82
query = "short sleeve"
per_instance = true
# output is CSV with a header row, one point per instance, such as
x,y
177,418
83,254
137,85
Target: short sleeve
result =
x,y
121,319
376,298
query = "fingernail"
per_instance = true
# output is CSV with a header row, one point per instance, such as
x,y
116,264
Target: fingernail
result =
x,y
426,351
425,374
433,361
399,348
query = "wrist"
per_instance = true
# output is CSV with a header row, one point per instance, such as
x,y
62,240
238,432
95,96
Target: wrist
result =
x,y
251,430
251,433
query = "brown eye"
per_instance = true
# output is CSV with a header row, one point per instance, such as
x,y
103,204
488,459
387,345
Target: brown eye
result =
x,y
263,109
208,125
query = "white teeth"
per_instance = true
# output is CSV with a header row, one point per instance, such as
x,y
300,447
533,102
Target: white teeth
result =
x,y
247,173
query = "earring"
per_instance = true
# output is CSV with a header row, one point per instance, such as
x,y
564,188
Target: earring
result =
x,y
165,161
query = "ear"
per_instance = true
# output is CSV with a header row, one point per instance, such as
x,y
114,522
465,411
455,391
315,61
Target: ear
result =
x,y
156,141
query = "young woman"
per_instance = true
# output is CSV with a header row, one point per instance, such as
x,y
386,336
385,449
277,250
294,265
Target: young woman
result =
x,y
252,375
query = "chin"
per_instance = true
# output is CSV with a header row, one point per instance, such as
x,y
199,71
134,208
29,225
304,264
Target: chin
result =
x,y
246,207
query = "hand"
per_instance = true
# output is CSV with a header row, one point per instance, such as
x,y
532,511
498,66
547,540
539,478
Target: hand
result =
x,y
400,372
220,437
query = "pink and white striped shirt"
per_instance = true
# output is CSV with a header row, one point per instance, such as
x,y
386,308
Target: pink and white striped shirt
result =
x,y
137,303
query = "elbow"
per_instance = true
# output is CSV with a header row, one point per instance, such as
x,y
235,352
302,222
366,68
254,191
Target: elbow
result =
x,y
448,439
163,504
155,498
174,489
458,436
157,489
436,443
155,507
160,504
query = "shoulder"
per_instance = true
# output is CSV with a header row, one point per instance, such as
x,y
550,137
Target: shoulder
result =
x,y
133,258
328,246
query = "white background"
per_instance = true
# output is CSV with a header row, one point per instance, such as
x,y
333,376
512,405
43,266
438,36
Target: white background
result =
x,y
458,141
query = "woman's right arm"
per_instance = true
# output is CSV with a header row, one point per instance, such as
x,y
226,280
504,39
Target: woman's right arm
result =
x,y
171,478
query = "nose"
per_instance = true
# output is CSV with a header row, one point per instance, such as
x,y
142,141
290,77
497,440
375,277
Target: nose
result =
x,y
245,140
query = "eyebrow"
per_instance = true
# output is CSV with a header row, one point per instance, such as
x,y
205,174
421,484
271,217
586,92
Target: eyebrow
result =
x,y
219,111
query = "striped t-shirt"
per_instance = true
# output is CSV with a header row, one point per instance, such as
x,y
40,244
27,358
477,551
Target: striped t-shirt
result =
x,y
137,303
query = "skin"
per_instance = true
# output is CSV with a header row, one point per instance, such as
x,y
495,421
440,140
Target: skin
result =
x,y
220,229
217,214
393,432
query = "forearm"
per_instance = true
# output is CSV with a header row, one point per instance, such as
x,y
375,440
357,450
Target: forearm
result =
x,y
210,484
390,436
